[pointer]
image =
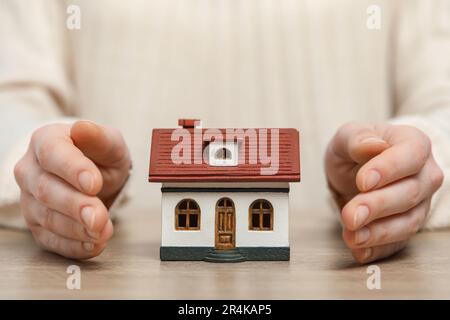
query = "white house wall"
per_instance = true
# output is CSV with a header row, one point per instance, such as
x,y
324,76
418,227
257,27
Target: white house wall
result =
x,y
205,237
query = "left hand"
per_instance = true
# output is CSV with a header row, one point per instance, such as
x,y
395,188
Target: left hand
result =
x,y
384,177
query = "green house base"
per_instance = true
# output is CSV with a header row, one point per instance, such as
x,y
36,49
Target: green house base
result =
x,y
239,254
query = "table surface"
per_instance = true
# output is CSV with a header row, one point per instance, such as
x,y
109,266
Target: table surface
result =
x,y
320,267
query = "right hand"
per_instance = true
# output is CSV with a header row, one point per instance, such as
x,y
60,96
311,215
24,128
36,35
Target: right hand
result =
x,y
68,178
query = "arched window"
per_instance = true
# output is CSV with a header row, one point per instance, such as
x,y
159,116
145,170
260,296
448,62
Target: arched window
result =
x,y
261,215
187,215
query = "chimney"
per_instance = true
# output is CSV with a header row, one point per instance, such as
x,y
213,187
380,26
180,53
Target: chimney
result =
x,y
190,123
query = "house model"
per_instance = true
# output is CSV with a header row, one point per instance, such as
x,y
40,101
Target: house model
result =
x,y
225,192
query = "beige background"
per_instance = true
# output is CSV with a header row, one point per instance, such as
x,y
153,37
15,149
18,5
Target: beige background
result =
x,y
140,64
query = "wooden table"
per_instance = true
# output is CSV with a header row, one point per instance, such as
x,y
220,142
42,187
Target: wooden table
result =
x,y
320,267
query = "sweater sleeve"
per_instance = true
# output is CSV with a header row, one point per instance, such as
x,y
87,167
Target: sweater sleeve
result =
x,y
421,83
35,88
34,85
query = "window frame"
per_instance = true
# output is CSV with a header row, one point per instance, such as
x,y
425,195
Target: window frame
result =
x,y
261,213
188,214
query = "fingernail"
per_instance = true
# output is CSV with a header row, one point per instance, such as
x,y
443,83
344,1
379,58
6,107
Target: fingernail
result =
x,y
373,140
92,234
361,215
362,235
88,246
86,181
367,254
88,217
372,179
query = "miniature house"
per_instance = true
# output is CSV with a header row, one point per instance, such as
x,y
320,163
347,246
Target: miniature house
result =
x,y
225,192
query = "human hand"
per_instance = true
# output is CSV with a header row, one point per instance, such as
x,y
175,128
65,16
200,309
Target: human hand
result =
x,y
68,178
383,177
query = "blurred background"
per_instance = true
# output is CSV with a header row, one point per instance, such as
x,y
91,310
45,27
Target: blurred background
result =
x,y
136,65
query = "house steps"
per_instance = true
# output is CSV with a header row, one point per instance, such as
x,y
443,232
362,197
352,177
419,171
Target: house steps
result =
x,y
219,256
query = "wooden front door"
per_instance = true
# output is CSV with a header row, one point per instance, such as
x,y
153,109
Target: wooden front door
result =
x,y
225,224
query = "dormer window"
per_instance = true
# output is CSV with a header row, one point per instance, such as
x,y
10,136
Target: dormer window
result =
x,y
223,154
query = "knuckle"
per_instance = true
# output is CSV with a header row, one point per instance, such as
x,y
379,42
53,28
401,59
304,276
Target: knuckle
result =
x,y
415,131
437,178
42,188
390,166
36,232
343,129
42,238
45,152
422,150
51,241
346,127
415,227
414,193
47,219
73,230
77,231
19,171
72,204
38,133
25,207
382,234
427,143
120,153
30,222
379,205
72,251
43,130
70,166
415,223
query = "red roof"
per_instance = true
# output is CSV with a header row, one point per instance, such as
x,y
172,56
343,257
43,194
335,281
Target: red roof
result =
x,y
163,169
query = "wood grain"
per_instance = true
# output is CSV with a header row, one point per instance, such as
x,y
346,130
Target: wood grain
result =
x,y
320,267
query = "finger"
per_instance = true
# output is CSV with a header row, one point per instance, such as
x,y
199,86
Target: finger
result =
x,y
388,230
53,192
37,214
392,199
358,143
408,154
25,166
104,145
65,247
58,155
366,255
106,235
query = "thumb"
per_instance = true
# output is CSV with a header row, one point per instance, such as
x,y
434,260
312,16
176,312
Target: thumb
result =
x,y
105,146
359,143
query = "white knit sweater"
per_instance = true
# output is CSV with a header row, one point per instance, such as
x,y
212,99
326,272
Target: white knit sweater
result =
x,y
309,64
